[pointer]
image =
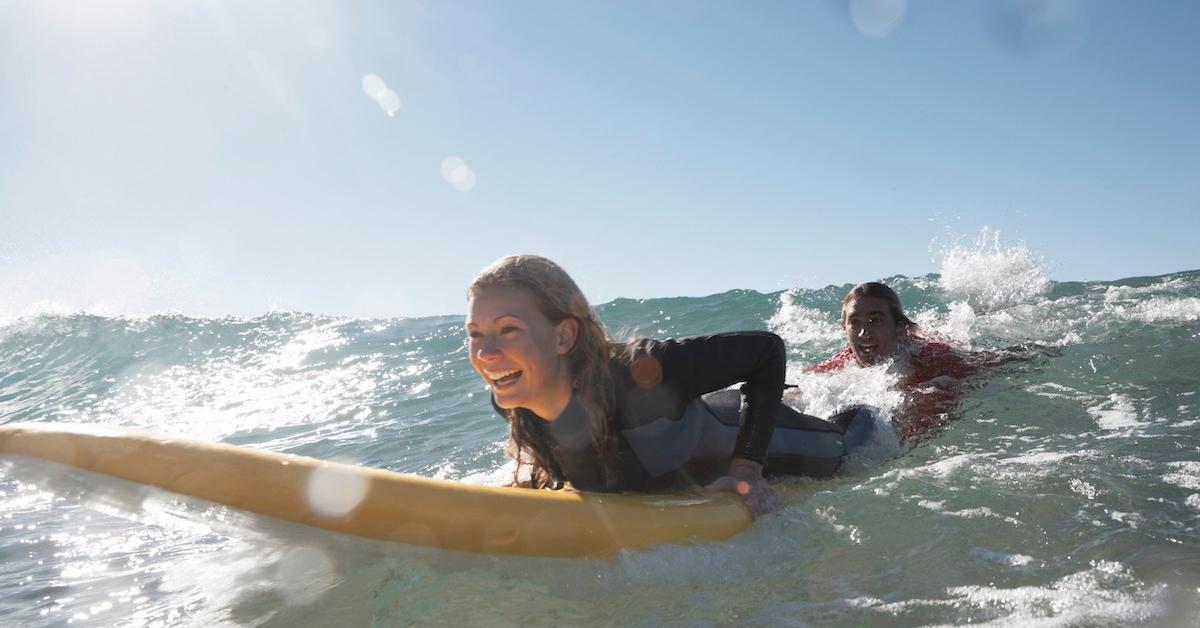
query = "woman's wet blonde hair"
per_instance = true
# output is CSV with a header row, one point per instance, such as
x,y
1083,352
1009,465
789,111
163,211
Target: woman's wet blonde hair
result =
x,y
558,298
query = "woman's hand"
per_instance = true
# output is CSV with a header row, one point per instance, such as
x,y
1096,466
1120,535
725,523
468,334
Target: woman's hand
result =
x,y
745,478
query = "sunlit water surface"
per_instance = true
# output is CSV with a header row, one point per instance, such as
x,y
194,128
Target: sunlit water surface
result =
x,y
1068,493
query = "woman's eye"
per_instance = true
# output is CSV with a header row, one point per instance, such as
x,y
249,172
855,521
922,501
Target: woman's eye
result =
x,y
474,334
507,329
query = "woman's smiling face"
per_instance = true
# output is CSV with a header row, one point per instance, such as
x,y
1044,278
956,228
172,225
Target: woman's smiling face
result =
x,y
519,353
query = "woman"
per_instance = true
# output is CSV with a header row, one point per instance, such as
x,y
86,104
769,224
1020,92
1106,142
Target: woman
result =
x,y
609,417
641,415
877,331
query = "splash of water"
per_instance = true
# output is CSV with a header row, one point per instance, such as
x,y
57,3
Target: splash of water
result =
x,y
990,275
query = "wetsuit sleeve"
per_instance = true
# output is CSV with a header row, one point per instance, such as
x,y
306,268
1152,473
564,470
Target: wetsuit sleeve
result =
x,y
691,367
934,389
936,360
837,362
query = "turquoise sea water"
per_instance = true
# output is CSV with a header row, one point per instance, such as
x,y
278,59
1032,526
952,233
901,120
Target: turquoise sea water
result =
x,y
1067,493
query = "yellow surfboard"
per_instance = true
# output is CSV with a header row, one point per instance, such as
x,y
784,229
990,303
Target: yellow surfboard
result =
x,y
380,504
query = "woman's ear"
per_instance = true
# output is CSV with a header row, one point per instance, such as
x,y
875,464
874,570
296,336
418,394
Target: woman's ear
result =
x,y
567,331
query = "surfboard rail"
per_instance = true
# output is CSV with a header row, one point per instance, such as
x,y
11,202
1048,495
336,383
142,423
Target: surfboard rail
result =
x,y
380,504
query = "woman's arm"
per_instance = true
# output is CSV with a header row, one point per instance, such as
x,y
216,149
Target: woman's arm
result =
x,y
691,367
676,372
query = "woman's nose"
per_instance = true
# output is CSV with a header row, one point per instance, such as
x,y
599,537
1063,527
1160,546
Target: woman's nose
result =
x,y
487,350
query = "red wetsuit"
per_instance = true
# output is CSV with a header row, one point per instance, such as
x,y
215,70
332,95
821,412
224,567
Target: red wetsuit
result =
x,y
933,375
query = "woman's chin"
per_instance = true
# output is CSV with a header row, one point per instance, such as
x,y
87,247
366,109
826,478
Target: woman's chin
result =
x,y
507,400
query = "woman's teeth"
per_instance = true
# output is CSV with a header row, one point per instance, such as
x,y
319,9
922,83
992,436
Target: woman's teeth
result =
x,y
503,378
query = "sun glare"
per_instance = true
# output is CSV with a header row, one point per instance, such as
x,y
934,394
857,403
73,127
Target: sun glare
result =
x,y
95,15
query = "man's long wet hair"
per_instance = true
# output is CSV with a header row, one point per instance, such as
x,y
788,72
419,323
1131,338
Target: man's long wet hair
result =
x,y
879,291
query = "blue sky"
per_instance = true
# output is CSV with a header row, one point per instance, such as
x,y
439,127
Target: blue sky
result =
x,y
217,157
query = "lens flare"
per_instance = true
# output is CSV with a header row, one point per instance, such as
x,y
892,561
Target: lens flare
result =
x,y
877,18
333,492
387,99
456,172
1040,28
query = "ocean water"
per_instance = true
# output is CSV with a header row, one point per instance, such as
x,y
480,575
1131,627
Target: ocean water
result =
x,y
1067,492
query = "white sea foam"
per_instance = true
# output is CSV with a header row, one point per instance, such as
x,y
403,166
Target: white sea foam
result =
x,y
1165,310
1011,560
824,394
1107,592
1168,286
802,326
851,532
959,322
1083,488
309,341
1054,390
1117,413
945,468
991,274
1131,519
1103,594
266,386
979,512
1035,464
1155,303
1186,474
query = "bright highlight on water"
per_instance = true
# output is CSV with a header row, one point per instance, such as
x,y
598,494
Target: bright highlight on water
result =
x,y
1067,493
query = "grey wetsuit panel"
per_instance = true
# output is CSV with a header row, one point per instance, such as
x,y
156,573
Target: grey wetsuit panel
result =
x,y
801,444
665,444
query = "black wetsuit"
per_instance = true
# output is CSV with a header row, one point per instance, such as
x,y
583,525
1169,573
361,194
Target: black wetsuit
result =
x,y
670,434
